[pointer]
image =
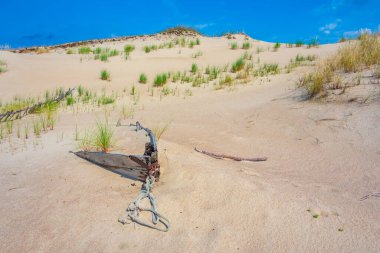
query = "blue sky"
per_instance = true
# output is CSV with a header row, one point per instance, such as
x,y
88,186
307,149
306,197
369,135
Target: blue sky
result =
x,y
43,22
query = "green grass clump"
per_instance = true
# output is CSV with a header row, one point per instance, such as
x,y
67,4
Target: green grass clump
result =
x,y
198,41
84,50
313,43
267,69
105,100
98,50
70,100
299,60
105,75
36,128
194,68
70,51
80,90
246,45
103,136
113,52
238,65
3,66
129,49
234,45
143,78
276,46
160,80
102,57
192,43
299,43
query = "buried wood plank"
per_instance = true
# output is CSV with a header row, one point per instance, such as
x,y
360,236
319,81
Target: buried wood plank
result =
x,y
235,158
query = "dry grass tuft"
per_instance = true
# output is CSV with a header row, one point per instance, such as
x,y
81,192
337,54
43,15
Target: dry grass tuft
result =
x,y
354,56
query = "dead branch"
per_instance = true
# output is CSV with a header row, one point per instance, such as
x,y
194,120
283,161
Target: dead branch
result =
x,y
235,158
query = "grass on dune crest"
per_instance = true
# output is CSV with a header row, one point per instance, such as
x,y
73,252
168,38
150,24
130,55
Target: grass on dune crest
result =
x,y
355,56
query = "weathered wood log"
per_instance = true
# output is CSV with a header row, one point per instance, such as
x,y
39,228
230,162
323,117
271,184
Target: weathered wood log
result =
x,y
235,158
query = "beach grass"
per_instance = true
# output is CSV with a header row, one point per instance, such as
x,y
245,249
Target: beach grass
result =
x,y
160,80
353,57
159,130
143,78
246,45
194,68
105,75
234,45
84,50
103,136
238,65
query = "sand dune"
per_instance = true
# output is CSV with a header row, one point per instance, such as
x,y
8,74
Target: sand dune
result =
x,y
322,158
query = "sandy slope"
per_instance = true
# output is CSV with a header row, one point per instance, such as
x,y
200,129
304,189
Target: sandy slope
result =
x,y
322,158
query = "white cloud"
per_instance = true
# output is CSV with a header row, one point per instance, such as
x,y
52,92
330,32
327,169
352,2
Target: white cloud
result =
x,y
356,33
327,29
202,26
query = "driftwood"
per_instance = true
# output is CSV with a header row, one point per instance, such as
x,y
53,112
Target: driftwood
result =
x,y
12,115
235,158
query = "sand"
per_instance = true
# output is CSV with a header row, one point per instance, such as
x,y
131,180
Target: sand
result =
x,y
322,158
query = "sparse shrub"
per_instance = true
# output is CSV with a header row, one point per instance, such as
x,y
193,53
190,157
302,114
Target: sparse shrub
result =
x,y
276,46
84,50
299,43
352,57
133,90
259,50
197,54
313,43
188,93
3,66
9,127
105,75
36,128
159,130
267,69
191,44
26,131
105,100
246,45
160,80
42,50
103,136
194,68
198,41
127,112
238,65
70,100
113,52
80,90
70,51
234,45
103,57
128,49
143,78
165,91
98,50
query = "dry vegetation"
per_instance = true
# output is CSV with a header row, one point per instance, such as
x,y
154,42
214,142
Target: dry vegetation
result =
x,y
353,57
